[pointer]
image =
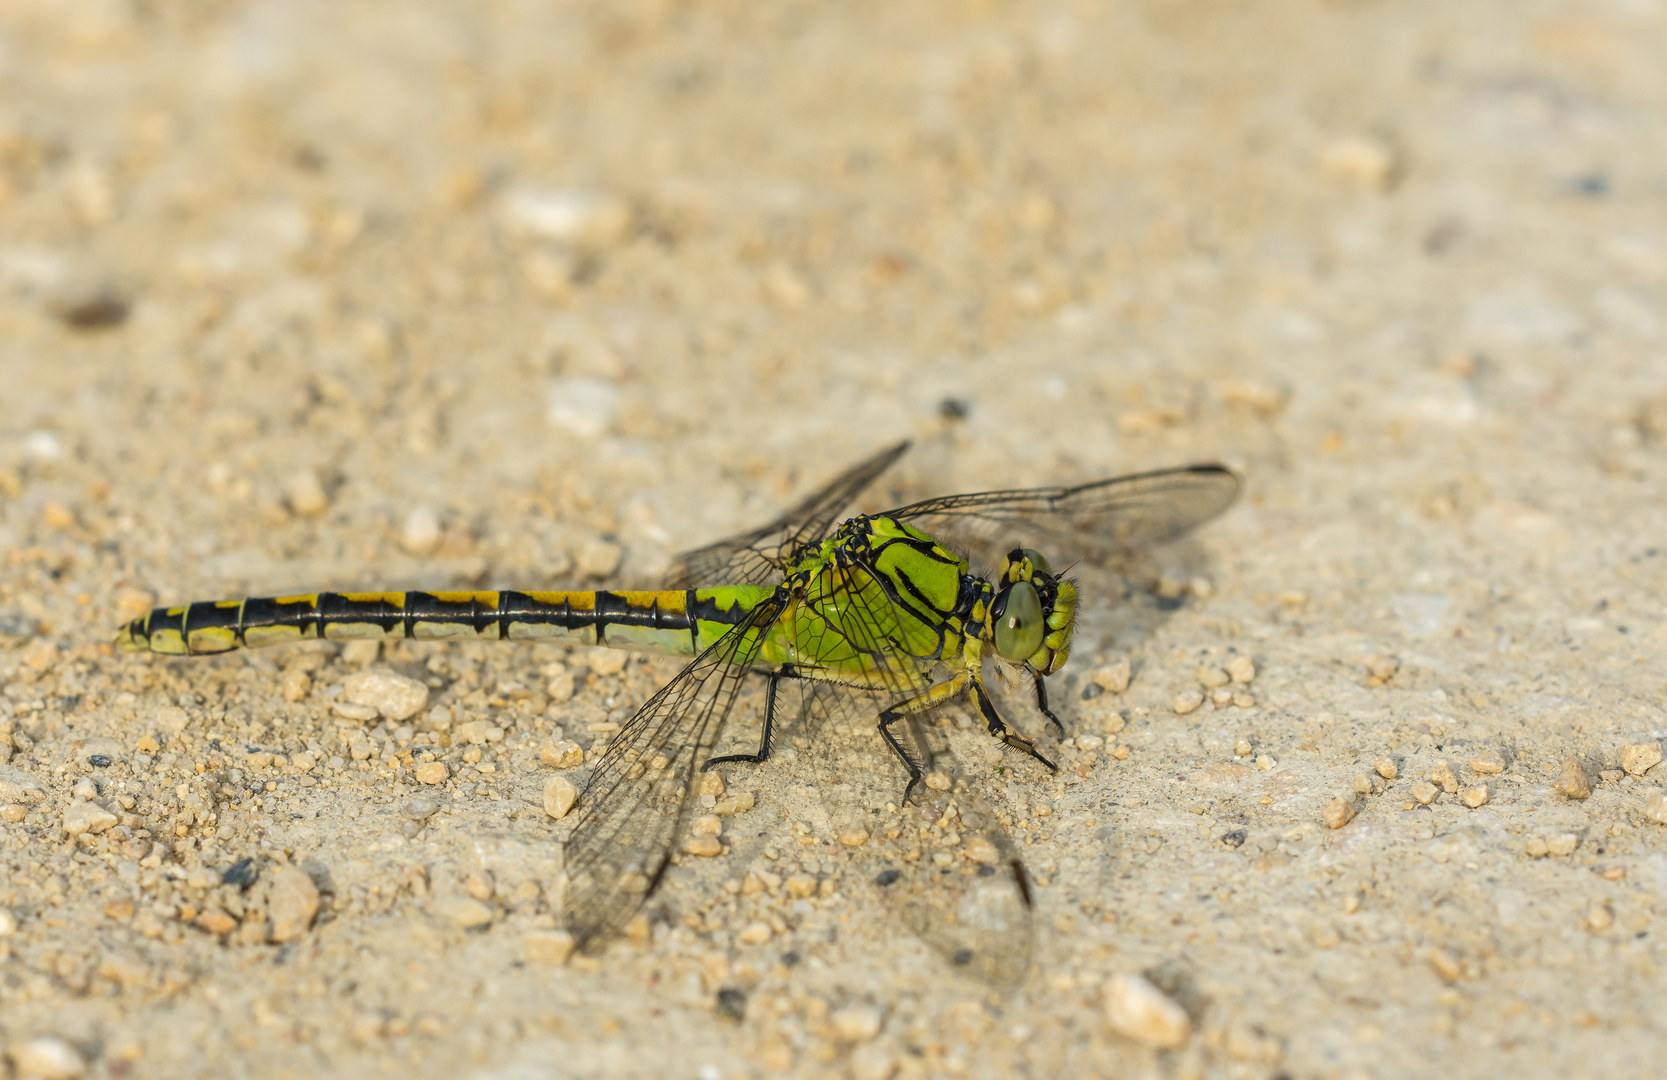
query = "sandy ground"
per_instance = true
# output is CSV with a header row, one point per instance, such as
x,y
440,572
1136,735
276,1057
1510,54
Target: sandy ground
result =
x,y
302,295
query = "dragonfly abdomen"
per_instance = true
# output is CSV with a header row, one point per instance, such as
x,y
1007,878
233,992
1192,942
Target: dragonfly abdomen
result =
x,y
679,621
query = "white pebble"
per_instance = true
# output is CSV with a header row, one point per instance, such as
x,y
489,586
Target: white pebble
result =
x,y
87,817
1241,669
1655,808
1140,1011
348,710
1364,161
568,215
361,653
1563,844
392,695
582,406
1640,759
1425,792
8,923
1386,768
1474,796
47,1058
1242,747
421,532
855,1023
559,796
305,492
463,911
548,947
560,687
599,559
1113,678
1187,700
1212,677
1487,762
291,903
605,661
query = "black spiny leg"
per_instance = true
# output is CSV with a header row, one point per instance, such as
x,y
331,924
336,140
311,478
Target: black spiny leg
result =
x,y
1000,731
1042,703
887,718
774,678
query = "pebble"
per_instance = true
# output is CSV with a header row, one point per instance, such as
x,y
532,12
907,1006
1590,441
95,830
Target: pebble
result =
x,y
1599,918
855,837
420,808
1265,763
1212,677
1573,780
937,781
1140,1011
349,710
12,813
1446,965
84,788
981,851
705,846
306,494
217,922
599,558
1425,792
559,796
605,662
8,923
1386,768
47,1058
1474,796
463,911
1113,678
1364,162
1242,748
1537,848
172,718
1640,759
560,687
1487,762
1339,812
431,772
1188,700
291,903
481,885
393,696
1562,844
568,215
855,1023
1380,669
478,733
87,817
1655,808
562,754
361,653
711,783
421,532
1362,784
1241,669
755,933
1442,777
295,684
549,947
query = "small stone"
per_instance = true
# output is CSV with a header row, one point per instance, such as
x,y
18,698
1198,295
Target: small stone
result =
x,y
1113,678
1487,762
800,886
599,559
478,733
1265,763
562,754
1242,747
937,781
1442,777
87,817
711,783
1380,669
1362,784
8,923
393,696
1221,697
755,933
854,837
1562,844
295,685
1425,792
1338,812
463,911
305,492
1139,1011
1187,700
12,813
1572,779
1537,848
1655,808
47,1058
480,885
1211,677
420,808
559,796
605,662
361,653
981,851
1599,918
291,903
146,745
217,922
707,847
84,788
1474,796
855,1023
1640,759
1386,768
1446,965
1241,669
560,687
172,718
349,710
431,772
736,802
551,948
421,532
1242,700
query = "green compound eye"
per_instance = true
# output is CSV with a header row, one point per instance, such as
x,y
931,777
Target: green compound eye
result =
x,y
1017,614
1037,563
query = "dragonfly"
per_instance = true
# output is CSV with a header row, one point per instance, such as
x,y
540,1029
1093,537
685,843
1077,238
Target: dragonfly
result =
x,y
876,620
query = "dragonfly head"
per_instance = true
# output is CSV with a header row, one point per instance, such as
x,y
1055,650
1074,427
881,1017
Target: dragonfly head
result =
x,y
1034,612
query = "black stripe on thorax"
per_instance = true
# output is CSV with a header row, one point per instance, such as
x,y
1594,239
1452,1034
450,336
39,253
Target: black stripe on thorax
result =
x,y
927,548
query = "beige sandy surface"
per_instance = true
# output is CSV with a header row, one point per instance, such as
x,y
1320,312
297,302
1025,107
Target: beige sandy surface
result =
x,y
302,295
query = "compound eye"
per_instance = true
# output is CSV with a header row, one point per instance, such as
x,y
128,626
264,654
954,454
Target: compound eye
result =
x,y
1017,614
1037,563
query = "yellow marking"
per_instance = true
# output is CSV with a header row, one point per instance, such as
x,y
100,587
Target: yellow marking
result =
x,y
578,601
169,642
256,636
485,599
213,639
395,598
310,601
355,631
228,603
174,611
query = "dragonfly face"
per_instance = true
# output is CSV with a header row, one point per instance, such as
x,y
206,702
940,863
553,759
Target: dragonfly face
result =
x,y
1034,613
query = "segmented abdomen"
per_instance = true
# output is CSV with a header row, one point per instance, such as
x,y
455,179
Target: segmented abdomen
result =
x,y
682,622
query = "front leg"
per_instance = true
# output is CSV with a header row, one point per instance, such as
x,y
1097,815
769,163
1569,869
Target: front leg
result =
x,y
774,678
1042,702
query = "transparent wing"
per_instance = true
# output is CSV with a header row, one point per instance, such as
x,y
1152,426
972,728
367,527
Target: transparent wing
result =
x,y
1096,518
944,865
633,807
764,554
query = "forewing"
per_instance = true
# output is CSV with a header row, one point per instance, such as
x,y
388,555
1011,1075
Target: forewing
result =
x,y
943,864
764,554
1097,518
633,808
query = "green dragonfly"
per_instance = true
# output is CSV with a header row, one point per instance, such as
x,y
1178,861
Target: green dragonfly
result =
x,y
880,617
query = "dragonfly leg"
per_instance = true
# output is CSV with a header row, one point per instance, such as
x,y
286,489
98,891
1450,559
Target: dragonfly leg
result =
x,y
1002,732
1042,703
774,678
